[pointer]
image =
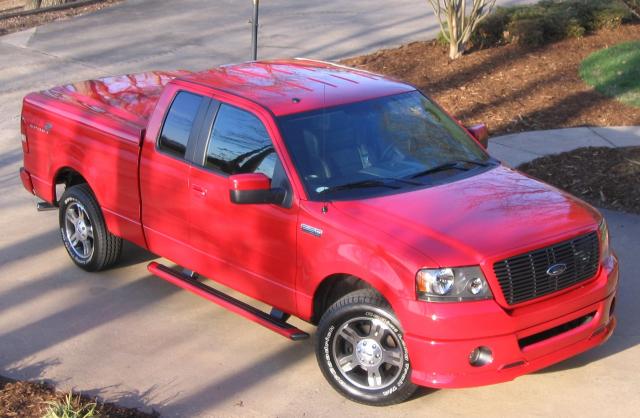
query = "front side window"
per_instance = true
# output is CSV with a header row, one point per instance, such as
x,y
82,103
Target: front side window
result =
x,y
378,146
239,143
178,124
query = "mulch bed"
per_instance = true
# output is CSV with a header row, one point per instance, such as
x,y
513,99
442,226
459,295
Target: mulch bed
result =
x,y
511,88
604,177
28,400
16,24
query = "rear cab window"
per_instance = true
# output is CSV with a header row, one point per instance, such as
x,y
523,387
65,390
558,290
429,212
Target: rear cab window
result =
x,y
179,123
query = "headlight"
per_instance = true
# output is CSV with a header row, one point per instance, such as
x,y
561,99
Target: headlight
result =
x,y
452,284
603,232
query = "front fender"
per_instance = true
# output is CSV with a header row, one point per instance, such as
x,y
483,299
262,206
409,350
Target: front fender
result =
x,y
329,248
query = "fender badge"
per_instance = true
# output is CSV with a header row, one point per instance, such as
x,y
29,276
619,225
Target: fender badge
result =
x,y
45,129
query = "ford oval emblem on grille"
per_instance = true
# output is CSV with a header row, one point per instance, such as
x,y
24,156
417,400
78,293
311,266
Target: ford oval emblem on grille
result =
x,y
557,269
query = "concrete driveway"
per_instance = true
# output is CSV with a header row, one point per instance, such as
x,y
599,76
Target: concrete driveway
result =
x,y
131,338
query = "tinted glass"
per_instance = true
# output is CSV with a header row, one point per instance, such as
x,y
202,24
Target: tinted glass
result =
x,y
239,143
178,124
389,143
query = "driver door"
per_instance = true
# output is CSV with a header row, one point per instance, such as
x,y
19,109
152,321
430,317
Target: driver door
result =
x,y
248,247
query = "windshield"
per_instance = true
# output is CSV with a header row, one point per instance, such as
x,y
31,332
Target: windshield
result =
x,y
379,146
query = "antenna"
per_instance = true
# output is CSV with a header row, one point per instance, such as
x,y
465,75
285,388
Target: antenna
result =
x,y
254,30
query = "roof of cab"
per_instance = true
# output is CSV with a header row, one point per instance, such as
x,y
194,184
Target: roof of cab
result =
x,y
297,85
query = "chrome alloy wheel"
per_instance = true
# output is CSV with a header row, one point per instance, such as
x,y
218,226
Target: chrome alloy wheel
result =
x,y
368,353
78,230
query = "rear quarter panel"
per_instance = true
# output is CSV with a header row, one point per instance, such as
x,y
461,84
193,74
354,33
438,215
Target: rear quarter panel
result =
x,y
104,153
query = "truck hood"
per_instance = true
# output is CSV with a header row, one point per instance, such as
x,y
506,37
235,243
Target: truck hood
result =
x,y
495,214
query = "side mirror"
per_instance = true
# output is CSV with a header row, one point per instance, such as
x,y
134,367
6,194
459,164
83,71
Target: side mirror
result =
x,y
480,133
253,188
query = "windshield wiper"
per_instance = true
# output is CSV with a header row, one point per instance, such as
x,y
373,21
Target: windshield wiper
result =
x,y
451,165
382,182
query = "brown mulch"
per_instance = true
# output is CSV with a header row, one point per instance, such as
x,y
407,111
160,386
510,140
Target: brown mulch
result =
x,y
604,177
28,400
16,24
511,88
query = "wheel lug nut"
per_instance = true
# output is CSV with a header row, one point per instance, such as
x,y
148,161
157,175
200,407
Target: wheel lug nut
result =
x,y
377,355
364,343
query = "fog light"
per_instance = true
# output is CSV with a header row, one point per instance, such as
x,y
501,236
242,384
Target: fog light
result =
x,y
481,356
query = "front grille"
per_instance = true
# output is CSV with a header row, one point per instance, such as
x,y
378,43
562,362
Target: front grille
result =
x,y
524,277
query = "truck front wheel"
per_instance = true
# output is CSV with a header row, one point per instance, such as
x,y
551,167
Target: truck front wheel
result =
x,y
361,351
84,233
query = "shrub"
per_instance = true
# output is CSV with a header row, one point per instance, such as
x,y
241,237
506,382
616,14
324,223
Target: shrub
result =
x,y
549,21
441,39
70,407
491,31
610,18
529,32
574,29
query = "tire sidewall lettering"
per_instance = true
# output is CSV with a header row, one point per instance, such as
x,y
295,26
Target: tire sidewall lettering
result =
x,y
327,340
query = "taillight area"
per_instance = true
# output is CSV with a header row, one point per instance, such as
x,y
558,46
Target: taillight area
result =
x,y
23,132
25,144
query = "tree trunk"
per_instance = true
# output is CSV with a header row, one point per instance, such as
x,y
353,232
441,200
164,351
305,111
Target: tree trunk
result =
x,y
35,4
458,20
454,51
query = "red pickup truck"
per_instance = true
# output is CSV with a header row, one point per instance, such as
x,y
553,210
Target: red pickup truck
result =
x,y
345,198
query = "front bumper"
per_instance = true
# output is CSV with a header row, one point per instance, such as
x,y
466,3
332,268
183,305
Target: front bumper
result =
x,y
530,345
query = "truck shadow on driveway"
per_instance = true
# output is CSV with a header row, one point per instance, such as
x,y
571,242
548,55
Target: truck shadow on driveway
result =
x,y
132,255
69,322
228,387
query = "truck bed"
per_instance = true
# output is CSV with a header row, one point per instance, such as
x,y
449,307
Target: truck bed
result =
x,y
94,128
124,101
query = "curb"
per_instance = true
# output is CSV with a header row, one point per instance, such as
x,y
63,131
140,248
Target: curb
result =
x,y
520,148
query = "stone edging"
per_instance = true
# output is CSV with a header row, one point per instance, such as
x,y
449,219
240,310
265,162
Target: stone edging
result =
x,y
50,9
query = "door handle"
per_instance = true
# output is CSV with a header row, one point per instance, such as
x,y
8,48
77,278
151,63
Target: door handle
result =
x,y
199,189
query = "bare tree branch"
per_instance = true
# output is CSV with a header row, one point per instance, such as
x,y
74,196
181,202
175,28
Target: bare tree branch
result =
x,y
634,7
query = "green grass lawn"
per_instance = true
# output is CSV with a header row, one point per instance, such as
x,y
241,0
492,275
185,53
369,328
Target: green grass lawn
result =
x,y
615,72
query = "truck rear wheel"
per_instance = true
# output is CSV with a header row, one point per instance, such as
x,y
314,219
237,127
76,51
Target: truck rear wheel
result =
x,y
83,230
361,351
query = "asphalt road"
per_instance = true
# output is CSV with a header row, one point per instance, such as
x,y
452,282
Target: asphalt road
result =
x,y
131,338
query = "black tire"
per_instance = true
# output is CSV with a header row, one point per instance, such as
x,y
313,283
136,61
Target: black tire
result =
x,y
342,334
89,244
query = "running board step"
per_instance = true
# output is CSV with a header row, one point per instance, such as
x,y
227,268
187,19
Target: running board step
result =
x,y
234,305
